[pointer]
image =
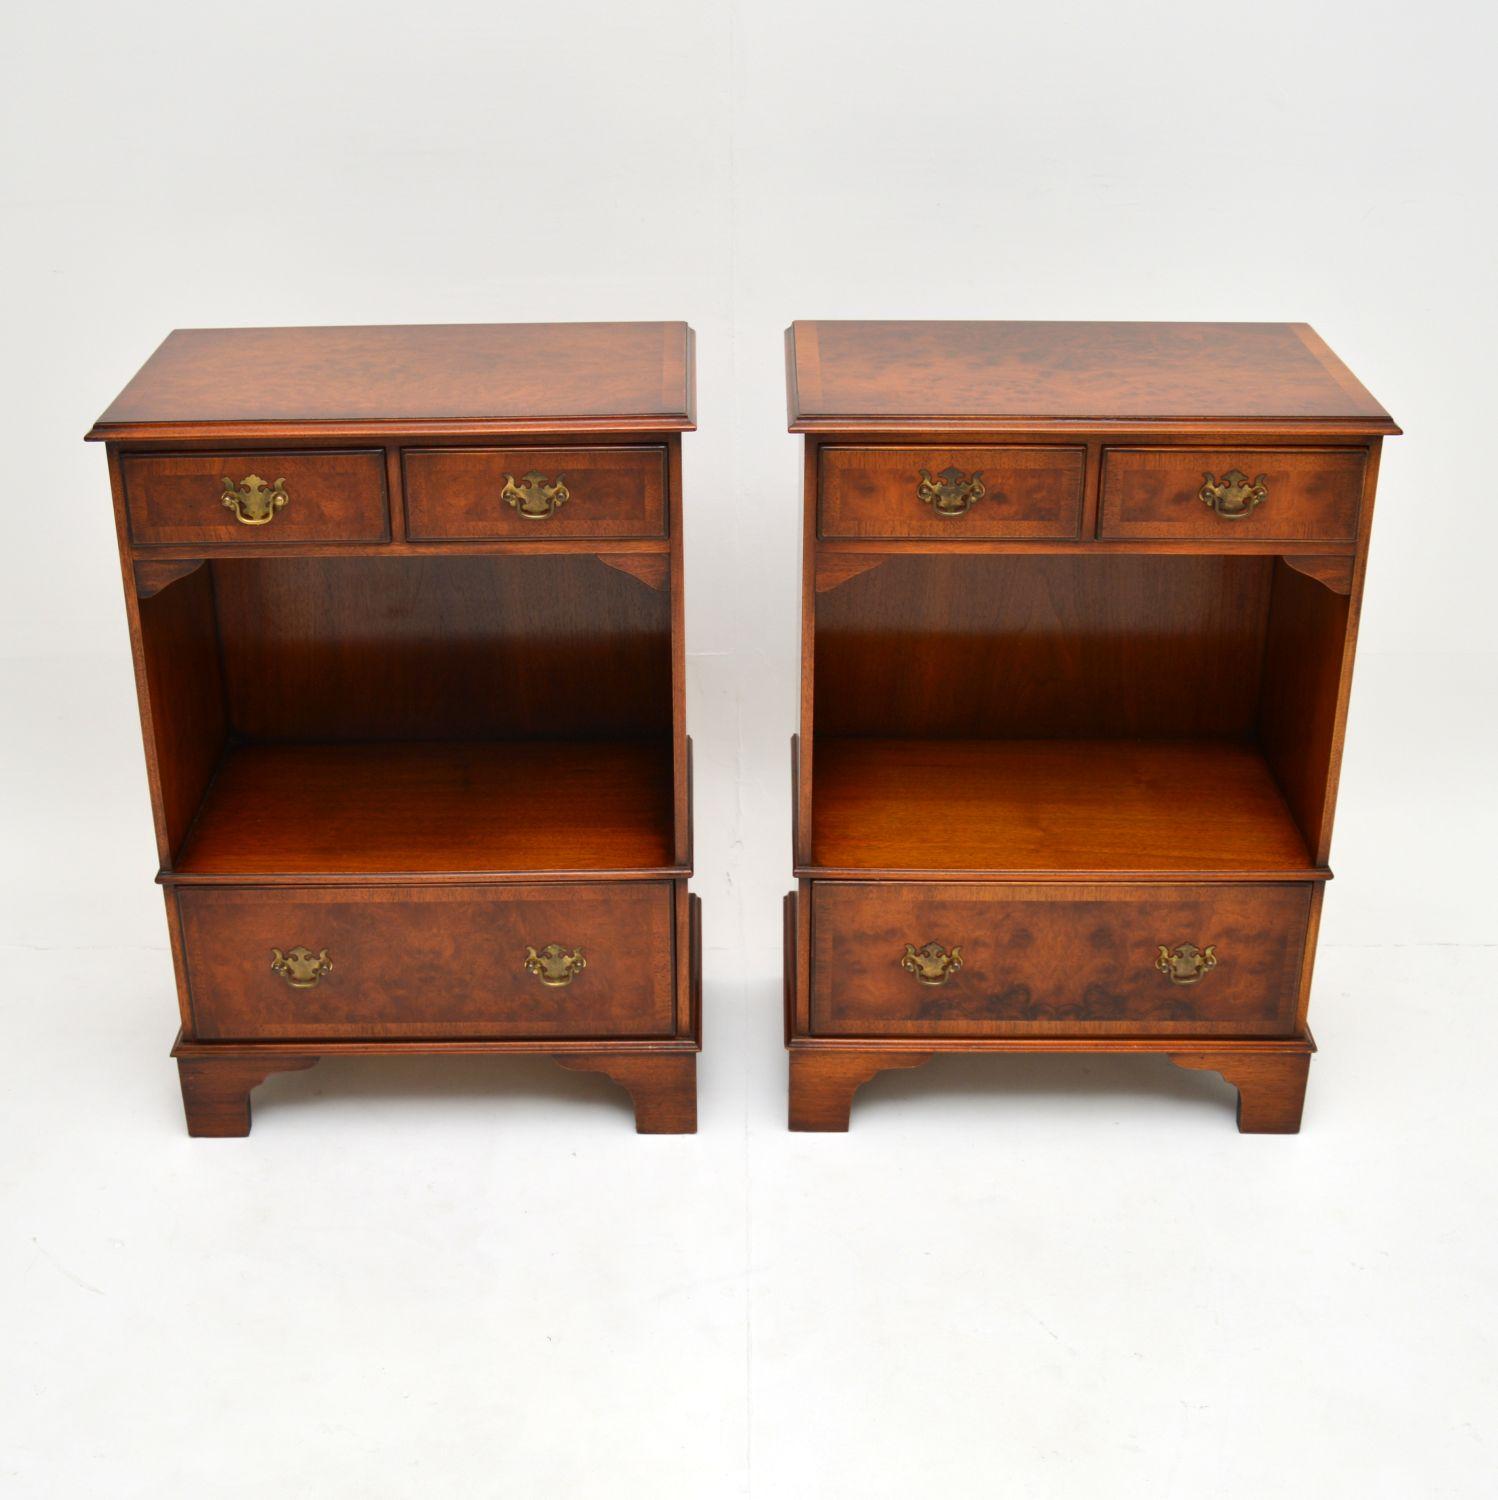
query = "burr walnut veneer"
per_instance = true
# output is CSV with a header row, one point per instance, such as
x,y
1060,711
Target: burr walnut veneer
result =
x,y
406,612
1079,610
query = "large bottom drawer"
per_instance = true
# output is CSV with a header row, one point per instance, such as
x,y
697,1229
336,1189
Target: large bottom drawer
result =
x,y
1014,960
536,961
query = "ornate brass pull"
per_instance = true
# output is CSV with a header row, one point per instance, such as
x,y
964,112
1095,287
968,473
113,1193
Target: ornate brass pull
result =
x,y
1236,496
253,502
932,964
554,966
950,493
533,497
1186,963
301,968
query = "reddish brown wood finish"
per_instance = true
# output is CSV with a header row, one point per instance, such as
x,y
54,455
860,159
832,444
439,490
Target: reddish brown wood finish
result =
x,y
1271,1087
427,742
663,1087
1056,960
413,961
1023,646
216,1092
511,377
653,569
453,647
497,808
916,377
1060,808
1335,572
1028,492
454,494
823,1083
1155,493
1300,709
1075,737
331,497
153,574
183,676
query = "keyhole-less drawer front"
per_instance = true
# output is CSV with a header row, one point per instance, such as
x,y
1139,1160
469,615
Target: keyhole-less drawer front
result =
x,y
1010,960
535,494
951,494
1232,495
534,961
255,499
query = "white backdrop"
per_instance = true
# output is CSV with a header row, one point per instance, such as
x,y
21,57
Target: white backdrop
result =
x,y
794,1318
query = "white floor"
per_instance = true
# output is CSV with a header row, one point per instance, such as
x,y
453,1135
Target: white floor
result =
x,y
1013,1277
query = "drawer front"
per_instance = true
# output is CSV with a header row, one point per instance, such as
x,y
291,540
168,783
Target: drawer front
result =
x,y
432,961
1232,494
534,494
1012,960
954,494
256,499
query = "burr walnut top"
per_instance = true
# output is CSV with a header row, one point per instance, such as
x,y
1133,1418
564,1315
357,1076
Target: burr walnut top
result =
x,y
627,377
884,376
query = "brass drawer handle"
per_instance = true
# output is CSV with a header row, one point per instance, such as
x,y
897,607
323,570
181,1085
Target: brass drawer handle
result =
x,y
950,493
301,968
932,964
554,966
1186,963
253,502
534,498
1235,496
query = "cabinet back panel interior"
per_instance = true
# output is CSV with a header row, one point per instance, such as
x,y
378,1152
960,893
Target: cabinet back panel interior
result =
x,y
552,647
1040,647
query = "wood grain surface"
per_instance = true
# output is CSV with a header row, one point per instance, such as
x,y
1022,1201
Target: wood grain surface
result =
x,y
1028,646
1033,491
917,372
450,647
1059,960
619,375
455,494
1313,495
1210,808
443,807
418,961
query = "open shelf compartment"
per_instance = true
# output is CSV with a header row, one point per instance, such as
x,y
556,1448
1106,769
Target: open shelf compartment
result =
x,y
1071,716
468,715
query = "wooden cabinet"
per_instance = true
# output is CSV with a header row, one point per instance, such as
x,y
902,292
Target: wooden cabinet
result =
x,y
406,613
1079,609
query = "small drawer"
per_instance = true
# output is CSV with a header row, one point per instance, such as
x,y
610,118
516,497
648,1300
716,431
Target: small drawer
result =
x,y
1014,960
1232,494
953,494
256,499
536,961
534,494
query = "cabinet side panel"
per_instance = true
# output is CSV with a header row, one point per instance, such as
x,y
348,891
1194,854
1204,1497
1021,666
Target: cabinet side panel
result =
x,y
681,766
1303,658
179,642
805,742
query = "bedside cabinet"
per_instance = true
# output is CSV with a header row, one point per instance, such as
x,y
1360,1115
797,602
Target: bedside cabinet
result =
x,y
1079,609
406,612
